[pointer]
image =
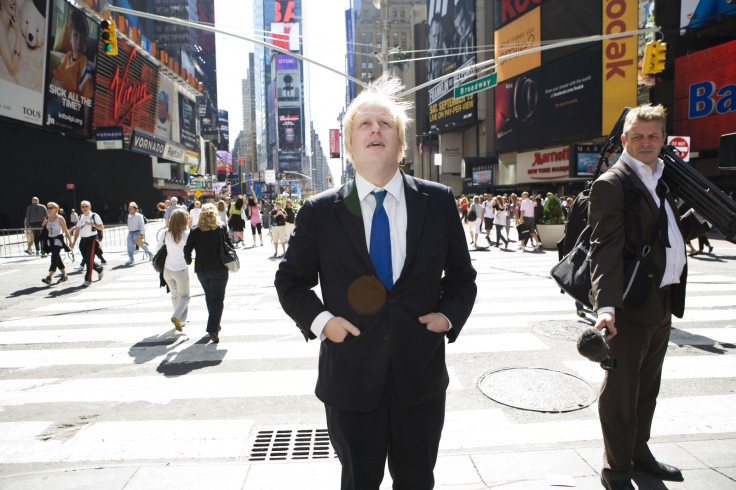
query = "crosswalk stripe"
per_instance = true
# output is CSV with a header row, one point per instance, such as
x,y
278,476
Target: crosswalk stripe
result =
x,y
179,350
675,367
162,390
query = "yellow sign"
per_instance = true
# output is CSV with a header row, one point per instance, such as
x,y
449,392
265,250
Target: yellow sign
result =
x,y
516,36
620,59
198,193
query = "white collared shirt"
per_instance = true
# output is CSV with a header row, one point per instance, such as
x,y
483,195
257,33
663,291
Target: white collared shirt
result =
x,y
395,206
675,254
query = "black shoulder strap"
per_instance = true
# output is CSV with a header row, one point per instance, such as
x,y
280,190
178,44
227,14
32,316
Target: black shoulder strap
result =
x,y
631,206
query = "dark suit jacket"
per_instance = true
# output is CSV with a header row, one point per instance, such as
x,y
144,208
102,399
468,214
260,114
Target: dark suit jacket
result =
x,y
329,245
613,235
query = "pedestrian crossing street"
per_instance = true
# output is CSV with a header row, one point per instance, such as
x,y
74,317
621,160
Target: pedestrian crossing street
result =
x,y
102,376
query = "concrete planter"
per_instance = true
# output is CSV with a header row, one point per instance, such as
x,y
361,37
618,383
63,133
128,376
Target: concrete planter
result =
x,y
550,235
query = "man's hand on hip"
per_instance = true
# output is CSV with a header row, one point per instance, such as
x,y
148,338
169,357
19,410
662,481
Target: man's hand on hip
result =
x,y
337,329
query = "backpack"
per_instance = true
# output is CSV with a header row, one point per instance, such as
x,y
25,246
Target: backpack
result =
x,y
472,215
572,272
99,232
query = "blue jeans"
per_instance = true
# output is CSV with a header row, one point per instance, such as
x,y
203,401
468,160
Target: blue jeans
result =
x,y
214,282
132,235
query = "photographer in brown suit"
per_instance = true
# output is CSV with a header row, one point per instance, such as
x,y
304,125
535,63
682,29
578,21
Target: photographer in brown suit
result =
x,y
638,336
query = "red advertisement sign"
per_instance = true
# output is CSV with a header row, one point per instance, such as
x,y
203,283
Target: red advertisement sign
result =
x,y
126,93
334,143
705,98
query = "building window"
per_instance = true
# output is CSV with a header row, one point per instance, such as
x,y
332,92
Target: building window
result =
x,y
370,65
363,66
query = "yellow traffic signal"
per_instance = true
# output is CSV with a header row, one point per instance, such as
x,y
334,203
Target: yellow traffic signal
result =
x,y
109,37
660,56
655,54
647,61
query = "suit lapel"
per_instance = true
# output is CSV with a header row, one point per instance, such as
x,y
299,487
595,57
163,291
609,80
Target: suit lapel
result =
x,y
347,207
653,207
416,205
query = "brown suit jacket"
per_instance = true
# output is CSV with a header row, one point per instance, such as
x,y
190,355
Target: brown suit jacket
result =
x,y
615,234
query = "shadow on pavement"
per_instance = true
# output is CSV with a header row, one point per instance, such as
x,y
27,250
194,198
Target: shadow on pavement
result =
x,y
186,361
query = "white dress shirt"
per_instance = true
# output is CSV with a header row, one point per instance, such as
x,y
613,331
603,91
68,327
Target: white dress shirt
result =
x,y
675,254
395,206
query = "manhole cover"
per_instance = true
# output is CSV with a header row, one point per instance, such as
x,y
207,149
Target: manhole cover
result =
x,y
560,329
537,389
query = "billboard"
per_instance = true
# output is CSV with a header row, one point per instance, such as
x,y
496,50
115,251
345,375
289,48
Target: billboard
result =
x,y
70,74
126,90
620,59
23,60
548,165
505,11
334,143
698,14
705,98
451,46
290,128
516,36
288,89
187,134
551,103
584,160
168,105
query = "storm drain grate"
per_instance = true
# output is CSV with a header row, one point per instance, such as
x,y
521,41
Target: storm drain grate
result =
x,y
287,444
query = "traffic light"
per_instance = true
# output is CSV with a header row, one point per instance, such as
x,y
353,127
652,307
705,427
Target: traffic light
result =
x,y
660,56
109,37
655,54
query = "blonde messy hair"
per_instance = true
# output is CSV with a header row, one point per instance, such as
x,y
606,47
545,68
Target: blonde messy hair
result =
x,y
384,92
647,112
208,218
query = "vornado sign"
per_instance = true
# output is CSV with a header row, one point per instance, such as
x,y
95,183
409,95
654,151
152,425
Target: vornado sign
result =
x,y
619,60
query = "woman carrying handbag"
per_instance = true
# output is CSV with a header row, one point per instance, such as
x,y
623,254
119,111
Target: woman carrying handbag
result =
x,y
207,241
176,271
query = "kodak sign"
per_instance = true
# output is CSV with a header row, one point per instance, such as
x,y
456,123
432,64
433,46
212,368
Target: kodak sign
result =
x,y
619,60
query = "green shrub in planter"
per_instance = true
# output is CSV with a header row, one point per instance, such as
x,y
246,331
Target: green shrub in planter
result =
x,y
553,214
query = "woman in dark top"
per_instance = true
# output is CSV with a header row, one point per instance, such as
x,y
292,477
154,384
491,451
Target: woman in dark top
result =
x,y
207,241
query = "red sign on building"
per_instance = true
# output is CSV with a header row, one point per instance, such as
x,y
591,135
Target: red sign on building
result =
x,y
126,90
334,143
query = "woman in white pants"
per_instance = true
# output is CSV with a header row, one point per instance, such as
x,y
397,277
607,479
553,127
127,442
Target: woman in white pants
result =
x,y
176,271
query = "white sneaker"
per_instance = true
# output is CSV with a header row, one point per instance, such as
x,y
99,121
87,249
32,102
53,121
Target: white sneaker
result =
x,y
79,268
100,274
130,262
86,283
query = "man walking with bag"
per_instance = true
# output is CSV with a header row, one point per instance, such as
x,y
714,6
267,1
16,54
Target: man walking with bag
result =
x,y
638,336
87,227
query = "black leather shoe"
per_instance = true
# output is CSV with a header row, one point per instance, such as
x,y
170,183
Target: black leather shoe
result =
x,y
617,484
660,470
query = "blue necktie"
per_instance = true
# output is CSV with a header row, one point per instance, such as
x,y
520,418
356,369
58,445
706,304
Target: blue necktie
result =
x,y
381,242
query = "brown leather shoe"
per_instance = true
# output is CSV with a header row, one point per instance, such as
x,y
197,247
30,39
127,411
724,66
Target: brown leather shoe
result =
x,y
659,470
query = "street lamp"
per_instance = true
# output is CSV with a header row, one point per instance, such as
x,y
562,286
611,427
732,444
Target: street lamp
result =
x,y
342,150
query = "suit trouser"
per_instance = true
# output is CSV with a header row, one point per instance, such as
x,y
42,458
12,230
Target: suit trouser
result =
x,y
408,436
629,393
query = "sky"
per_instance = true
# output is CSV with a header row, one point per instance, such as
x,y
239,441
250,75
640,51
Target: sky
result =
x,y
323,40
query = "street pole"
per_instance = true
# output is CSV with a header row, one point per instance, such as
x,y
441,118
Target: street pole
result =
x,y
342,150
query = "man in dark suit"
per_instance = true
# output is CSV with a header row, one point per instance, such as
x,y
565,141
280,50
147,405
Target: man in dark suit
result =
x,y
389,253
638,336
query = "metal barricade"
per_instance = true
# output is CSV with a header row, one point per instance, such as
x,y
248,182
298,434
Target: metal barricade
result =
x,y
14,242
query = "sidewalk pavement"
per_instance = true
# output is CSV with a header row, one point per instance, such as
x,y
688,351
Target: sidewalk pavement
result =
x,y
705,464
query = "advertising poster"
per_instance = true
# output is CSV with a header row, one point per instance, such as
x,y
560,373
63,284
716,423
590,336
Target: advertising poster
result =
x,y
698,14
705,98
482,177
620,59
167,106
566,19
505,11
23,49
290,129
451,46
288,89
584,160
203,45
548,165
71,70
551,103
126,90
187,123
517,36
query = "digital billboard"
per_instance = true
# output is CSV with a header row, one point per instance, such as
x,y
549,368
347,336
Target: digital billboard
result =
x,y
705,98
551,103
23,60
451,46
517,36
72,64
